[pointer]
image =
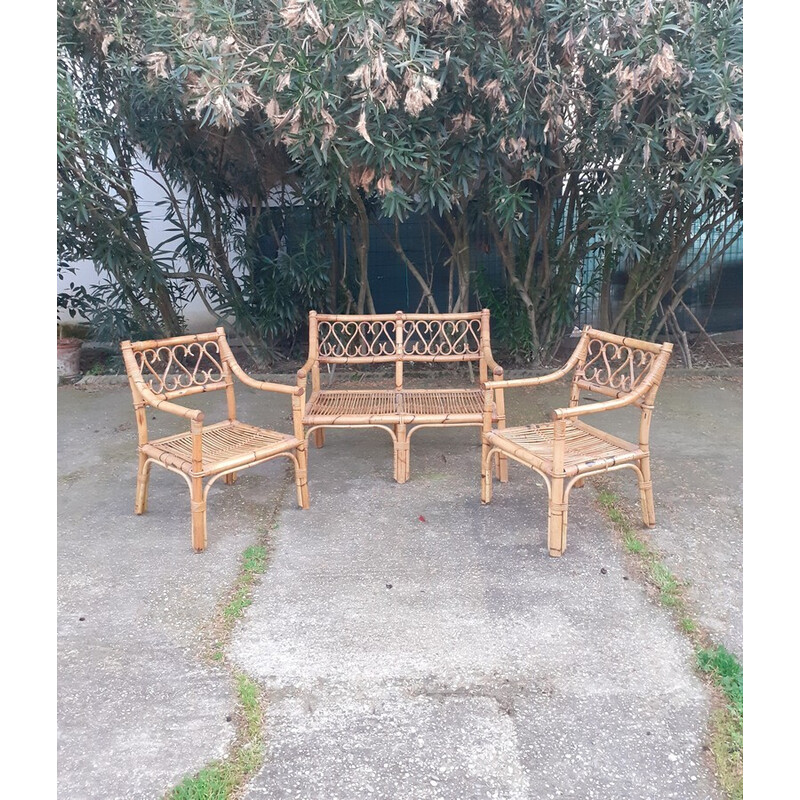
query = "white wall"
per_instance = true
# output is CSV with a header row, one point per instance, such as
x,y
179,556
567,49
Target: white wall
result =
x,y
197,317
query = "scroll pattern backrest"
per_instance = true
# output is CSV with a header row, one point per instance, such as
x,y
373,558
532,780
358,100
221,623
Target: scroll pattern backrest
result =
x,y
432,339
421,337
356,340
178,369
615,366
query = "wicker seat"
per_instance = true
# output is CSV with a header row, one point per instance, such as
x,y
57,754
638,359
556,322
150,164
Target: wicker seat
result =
x,y
566,450
164,369
439,405
226,445
345,405
388,406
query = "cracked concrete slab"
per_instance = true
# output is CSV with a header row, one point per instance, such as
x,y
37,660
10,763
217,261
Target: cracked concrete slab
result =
x,y
452,657
138,708
442,657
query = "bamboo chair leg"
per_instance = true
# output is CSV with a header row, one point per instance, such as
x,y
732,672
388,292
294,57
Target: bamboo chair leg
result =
x,y
301,476
198,516
557,518
142,481
319,438
579,483
501,467
486,475
230,478
646,493
401,453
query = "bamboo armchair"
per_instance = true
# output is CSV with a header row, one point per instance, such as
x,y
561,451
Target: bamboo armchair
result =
x,y
566,450
162,370
399,339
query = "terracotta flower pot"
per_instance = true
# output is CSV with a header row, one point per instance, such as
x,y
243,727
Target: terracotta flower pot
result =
x,y
69,355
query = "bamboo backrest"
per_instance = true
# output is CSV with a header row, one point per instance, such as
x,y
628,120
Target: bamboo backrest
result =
x,y
616,366
399,337
180,366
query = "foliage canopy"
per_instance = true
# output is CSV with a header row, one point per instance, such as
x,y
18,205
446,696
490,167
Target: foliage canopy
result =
x,y
561,127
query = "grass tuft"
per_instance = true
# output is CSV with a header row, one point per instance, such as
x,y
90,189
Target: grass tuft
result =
x,y
717,665
225,779
254,562
688,625
727,672
219,780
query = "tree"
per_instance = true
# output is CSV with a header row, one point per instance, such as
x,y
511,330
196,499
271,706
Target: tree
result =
x,y
563,128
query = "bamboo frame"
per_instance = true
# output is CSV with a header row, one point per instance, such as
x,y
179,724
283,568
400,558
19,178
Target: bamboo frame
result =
x,y
566,450
202,363
398,339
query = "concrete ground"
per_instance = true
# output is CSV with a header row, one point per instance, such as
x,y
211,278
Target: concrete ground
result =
x,y
411,643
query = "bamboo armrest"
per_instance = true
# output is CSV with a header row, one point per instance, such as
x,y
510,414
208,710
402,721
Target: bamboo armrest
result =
x,y
155,401
267,386
607,405
492,364
302,373
552,376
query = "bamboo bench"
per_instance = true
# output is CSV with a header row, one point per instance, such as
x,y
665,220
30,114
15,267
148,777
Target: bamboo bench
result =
x,y
399,339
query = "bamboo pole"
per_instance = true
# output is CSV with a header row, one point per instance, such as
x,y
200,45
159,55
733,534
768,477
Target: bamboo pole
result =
x,y
557,507
197,497
398,338
301,465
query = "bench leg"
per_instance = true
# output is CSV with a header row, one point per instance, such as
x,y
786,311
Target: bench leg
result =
x,y
198,516
557,518
301,476
142,480
646,493
500,459
230,478
401,453
579,483
319,437
501,467
486,474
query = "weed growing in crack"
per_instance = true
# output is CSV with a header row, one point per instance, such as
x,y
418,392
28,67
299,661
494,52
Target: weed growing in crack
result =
x,y
220,779
254,562
717,665
225,779
728,740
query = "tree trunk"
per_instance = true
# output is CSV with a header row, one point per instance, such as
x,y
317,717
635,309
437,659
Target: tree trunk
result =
x,y
507,256
360,232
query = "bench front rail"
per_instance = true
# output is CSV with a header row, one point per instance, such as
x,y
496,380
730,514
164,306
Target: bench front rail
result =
x,y
399,339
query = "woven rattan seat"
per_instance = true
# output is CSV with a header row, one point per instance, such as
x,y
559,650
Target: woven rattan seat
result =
x,y
328,406
398,339
441,404
408,405
226,445
586,449
162,370
566,450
